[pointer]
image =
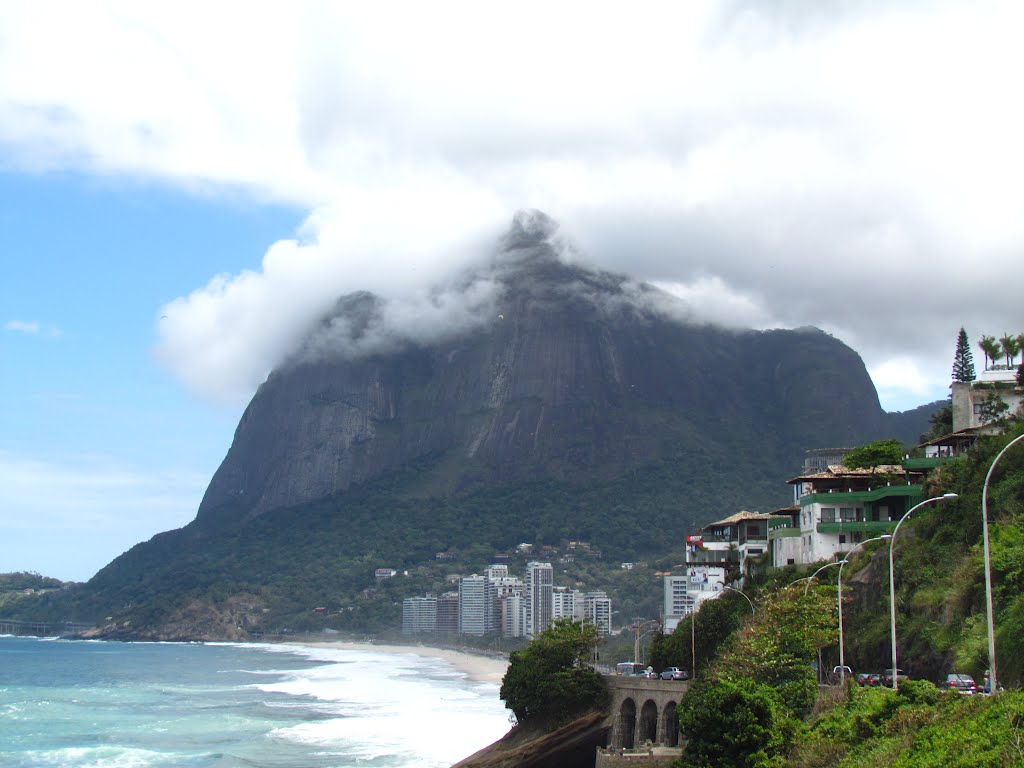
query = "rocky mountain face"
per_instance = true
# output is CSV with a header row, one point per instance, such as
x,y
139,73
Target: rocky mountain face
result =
x,y
572,374
556,403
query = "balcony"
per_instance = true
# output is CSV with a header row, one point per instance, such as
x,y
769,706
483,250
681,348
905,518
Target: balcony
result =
x,y
857,526
868,495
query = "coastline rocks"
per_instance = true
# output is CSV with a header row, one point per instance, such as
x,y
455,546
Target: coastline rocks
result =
x,y
572,746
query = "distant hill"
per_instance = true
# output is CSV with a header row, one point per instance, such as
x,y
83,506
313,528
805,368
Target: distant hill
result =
x,y
574,405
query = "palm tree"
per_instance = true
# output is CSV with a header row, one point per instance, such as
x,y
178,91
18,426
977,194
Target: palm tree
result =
x,y
990,348
1010,347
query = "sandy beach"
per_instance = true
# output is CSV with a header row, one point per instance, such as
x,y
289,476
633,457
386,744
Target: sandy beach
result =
x,y
478,667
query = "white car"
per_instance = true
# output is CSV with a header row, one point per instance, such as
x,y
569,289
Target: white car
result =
x,y
674,673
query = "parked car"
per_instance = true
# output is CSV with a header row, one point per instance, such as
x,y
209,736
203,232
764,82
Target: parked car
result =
x,y
863,677
840,673
874,680
674,673
887,677
963,684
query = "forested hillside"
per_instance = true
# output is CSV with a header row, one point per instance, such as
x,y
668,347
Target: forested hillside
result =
x,y
760,662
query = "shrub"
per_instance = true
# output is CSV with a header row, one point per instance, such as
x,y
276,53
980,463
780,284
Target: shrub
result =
x,y
733,723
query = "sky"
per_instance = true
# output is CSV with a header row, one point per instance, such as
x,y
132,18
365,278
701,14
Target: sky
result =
x,y
186,187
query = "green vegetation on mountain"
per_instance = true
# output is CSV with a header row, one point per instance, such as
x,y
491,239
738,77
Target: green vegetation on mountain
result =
x,y
23,588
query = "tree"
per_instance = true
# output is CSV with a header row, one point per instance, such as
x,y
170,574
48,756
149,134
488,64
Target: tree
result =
x,y
875,454
963,360
777,646
552,680
990,347
727,724
992,408
1010,346
941,424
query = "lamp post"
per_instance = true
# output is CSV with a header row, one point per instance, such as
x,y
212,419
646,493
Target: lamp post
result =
x,y
839,587
993,686
813,575
740,591
636,643
892,579
807,587
693,638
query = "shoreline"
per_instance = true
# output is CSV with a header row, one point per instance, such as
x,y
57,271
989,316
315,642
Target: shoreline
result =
x,y
478,667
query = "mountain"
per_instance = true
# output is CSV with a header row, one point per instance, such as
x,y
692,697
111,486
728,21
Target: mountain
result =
x,y
575,376
564,403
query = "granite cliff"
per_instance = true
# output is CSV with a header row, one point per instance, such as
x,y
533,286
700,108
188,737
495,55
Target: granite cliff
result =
x,y
573,374
568,403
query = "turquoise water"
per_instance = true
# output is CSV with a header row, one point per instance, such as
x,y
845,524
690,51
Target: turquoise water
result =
x,y
133,705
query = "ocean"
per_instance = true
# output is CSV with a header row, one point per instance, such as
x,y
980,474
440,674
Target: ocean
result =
x,y
91,704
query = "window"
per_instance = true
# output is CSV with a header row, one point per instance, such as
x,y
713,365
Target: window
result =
x,y
790,561
828,514
842,538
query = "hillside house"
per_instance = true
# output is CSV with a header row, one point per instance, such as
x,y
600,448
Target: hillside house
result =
x,y
840,507
969,398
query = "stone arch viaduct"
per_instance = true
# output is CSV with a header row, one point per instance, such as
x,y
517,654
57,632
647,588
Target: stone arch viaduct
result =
x,y
643,709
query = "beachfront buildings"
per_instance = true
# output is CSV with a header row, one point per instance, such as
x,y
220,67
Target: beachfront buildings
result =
x,y
476,605
597,609
539,589
685,592
497,603
419,615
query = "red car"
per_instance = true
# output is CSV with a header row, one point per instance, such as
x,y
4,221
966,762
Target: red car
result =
x,y
887,677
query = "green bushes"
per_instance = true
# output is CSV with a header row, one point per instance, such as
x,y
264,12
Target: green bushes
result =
x,y
551,680
919,726
727,724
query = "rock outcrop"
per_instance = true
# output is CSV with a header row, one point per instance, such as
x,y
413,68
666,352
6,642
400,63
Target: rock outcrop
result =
x,y
572,746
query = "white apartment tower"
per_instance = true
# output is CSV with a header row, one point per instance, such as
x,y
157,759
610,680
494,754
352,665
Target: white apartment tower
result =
x,y
539,582
475,605
419,615
597,608
512,606
564,603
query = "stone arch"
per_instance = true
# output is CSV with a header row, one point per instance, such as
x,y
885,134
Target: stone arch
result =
x,y
670,725
627,723
647,728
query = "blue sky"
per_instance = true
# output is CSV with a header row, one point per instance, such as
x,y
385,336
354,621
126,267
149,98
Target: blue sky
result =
x,y
101,447
184,194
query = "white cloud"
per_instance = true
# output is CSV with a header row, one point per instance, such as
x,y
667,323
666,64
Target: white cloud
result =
x,y
903,384
856,167
31,327
22,326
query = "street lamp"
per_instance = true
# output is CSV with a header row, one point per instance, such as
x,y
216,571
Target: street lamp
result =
x,y
992,685
740,591
892,579
638,626
839,586
811,578
827,565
